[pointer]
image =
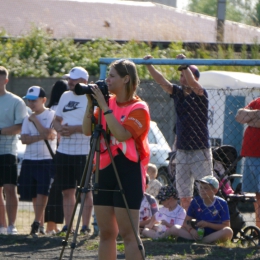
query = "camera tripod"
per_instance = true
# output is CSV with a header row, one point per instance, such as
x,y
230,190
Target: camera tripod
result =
x,y
84,187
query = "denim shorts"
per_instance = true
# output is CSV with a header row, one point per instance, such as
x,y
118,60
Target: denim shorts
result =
x,y
251,175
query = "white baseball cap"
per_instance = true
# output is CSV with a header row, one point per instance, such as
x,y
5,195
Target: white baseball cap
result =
x,y
77,73
35,92
210,180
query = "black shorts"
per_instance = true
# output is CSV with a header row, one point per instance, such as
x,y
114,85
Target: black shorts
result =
x,y
69,170
35,178
131,179
8,169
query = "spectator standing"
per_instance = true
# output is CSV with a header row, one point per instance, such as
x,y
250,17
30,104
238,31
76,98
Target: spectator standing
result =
x,y
54,209
128,120
13,111
154,185
37,167
250,115
193,156
71,155
210,212
169,215
148,207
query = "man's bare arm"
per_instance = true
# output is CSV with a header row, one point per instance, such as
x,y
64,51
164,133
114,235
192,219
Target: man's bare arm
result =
x,y
247,116
192,82
12,130
158,77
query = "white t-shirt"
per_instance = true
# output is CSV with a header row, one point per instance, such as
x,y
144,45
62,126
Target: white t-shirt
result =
x,y
174,217
54,107
12,112
72,108
39,150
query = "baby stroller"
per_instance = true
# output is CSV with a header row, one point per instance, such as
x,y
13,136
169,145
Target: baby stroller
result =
x,y
225,159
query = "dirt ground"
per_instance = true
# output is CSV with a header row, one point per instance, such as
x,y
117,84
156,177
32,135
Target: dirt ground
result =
x,y
46,247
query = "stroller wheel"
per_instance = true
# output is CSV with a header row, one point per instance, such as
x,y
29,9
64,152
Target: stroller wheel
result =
x,y
250,236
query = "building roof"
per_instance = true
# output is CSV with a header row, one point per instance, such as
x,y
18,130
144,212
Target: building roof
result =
x,y
118,20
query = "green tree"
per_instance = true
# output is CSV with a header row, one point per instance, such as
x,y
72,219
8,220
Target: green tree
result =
x,y
37,55
256,15
241,11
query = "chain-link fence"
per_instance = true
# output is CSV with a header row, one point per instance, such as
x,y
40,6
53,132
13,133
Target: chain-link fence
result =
x,y
225,138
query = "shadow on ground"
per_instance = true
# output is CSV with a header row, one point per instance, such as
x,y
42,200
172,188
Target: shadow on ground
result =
x,y
46,247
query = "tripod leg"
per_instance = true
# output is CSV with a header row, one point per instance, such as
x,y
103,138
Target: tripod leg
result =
x,y
84,183
138,240
84,191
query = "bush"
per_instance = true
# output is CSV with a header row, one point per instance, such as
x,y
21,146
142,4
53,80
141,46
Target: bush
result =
x,y
37,55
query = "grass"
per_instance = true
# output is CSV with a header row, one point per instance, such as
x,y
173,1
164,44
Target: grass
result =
x,y
24,220
120,247
92,246
168,247
25,217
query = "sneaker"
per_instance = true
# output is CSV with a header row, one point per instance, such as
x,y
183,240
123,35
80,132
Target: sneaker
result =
x,y
65,229
85,230
42,230
51,233
11,230
35,228
3,230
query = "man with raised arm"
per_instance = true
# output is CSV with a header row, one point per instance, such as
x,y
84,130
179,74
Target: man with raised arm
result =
x,y
193,157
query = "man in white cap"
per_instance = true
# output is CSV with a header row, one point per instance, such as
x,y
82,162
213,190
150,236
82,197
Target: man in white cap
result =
x,y
73,148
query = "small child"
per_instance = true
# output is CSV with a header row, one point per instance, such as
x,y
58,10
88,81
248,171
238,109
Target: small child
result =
x,y
37,167
211,213
154,185
148,207
169,215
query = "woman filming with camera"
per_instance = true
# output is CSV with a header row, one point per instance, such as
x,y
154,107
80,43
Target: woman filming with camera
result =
x,y
128,120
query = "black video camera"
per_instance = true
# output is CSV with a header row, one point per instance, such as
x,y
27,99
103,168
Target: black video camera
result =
x,y
82,89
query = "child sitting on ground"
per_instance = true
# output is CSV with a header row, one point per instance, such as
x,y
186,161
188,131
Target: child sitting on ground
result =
x,y
169,215
148,207
154,185
211,214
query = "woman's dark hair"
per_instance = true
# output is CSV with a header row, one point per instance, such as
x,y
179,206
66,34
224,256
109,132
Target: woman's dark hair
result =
x,y
57,90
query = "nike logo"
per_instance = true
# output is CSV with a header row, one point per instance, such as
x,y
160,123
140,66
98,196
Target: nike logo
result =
x,y
72,105
69,109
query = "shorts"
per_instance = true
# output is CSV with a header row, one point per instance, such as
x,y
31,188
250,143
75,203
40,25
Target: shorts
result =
x,y
130,176
8,169
69,169
251,175
191,166
35,178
